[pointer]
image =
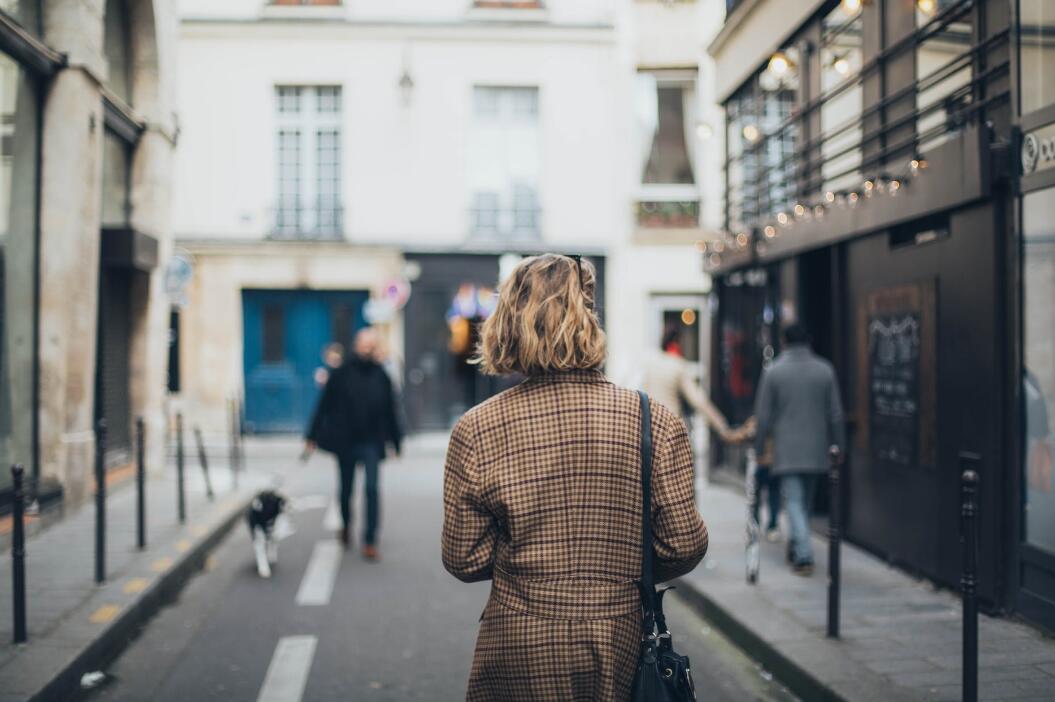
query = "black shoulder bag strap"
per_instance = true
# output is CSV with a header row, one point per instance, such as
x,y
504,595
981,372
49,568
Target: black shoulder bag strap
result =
x,y
647,583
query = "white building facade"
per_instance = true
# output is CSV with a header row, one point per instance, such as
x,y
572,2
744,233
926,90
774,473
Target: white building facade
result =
x,y
334,153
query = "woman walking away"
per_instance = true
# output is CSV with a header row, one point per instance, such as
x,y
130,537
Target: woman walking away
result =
x,y
542,495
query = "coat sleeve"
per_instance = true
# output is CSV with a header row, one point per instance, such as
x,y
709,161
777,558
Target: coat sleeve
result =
x,y
470,532
764,402
322,408
836,425
691,393
392,428
679,536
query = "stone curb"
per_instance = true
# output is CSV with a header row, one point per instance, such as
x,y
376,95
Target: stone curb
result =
x,y
796,678
117,634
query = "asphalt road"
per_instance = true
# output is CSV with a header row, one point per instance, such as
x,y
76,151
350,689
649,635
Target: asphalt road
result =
x,y
400,629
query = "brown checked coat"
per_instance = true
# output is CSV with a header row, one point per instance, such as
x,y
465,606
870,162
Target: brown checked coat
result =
x,y
542,495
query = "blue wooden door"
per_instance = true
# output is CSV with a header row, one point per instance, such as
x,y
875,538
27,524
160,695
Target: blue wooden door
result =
x,y
285,332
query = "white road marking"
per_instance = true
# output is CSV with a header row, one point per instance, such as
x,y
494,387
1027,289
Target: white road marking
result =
x,y
317,585
287,674
332,520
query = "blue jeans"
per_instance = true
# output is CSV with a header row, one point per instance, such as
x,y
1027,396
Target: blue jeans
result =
x,y
764,478
370,456
797,489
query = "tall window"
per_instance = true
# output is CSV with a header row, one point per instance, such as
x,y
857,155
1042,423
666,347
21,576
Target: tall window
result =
x,y
666,112
1037,51
308,161
19,169
504,162
943,71
841,59
1038,382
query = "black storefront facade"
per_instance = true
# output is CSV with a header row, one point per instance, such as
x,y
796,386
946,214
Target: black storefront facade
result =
x,y
889,188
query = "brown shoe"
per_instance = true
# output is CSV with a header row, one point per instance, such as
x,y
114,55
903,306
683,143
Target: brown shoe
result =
x,y
804,569
371,553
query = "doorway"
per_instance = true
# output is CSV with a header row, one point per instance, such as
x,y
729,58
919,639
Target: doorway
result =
x,y
285,334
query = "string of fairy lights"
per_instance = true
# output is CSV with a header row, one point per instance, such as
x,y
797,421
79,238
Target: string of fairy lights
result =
x,y
881,185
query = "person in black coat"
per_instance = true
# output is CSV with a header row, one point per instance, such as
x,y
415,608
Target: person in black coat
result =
x,y
354,420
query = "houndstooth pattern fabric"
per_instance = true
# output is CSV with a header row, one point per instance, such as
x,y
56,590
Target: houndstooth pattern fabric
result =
x,y
542,495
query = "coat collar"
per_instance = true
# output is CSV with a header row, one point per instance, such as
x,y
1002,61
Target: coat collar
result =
x,y
580,375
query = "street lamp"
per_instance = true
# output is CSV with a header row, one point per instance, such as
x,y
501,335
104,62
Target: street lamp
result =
x,y
406,87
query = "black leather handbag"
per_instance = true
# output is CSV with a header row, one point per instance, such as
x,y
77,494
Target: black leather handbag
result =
x,y
662,674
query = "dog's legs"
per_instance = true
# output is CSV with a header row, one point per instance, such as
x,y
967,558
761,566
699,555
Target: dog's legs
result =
x,y
260,548
272,548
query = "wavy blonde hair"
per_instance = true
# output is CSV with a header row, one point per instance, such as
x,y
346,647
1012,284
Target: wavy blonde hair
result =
x,y
545,320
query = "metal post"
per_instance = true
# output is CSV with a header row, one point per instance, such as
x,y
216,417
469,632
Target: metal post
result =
x,y
180,493
18,554
834,539
141,470
100,500
969,578
232,448
204,460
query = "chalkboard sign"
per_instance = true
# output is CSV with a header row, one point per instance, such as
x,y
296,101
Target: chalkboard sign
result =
x,y
894,390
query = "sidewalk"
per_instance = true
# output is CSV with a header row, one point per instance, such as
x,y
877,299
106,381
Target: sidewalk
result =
x,y
75,626
900,637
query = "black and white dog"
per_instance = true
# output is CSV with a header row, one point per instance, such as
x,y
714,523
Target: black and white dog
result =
x,y
264,511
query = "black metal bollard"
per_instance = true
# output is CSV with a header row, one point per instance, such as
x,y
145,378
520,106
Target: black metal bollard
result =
x,y
204,460
100,500
834,539
181,496
18,554
141,472
969,579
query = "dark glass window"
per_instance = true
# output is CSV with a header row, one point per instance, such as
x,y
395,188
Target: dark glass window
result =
x,y
117,46
1038,383
274,333
117,167
19,118
26,12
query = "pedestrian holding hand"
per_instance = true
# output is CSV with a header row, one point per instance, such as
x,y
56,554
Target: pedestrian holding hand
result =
x,y
798,406
354,420
542,496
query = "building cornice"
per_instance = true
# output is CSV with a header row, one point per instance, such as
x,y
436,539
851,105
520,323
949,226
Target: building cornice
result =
x,y
460,30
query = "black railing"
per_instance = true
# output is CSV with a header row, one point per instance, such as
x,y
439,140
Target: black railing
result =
x,y
323,221
868,143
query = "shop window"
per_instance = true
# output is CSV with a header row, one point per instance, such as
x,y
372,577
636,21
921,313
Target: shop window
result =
x,y
19,120
1037,50
841,60
943,71
1038,382
117,47
666,111
504,164
309,162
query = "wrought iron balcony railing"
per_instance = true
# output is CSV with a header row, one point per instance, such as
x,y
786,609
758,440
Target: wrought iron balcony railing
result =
x,y
321,221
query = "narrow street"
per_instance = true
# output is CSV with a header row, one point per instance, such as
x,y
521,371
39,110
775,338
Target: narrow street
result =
x,y
401,629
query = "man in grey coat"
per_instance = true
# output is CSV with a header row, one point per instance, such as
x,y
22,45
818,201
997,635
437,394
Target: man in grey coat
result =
x,y
798,404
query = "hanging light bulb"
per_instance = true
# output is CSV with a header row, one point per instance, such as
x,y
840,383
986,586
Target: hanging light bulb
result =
x,y
818,211
894,186
841,66
779,64
853,198
851,7
782,217
741,239
927,7
869,187
917,164
770,231
751,133
829,196
800,209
